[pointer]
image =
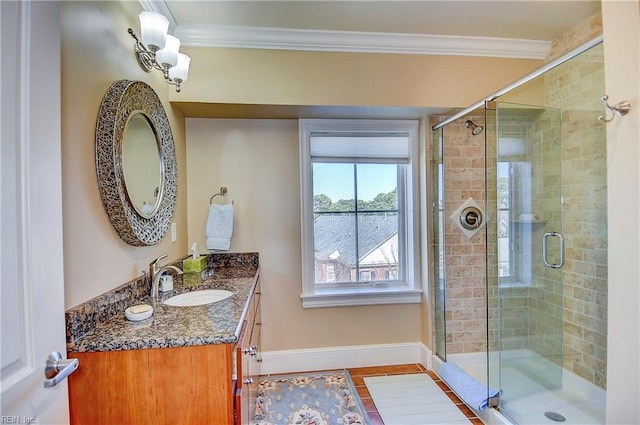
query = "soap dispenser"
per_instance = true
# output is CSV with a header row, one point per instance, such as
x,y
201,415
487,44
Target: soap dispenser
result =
x,y
196,263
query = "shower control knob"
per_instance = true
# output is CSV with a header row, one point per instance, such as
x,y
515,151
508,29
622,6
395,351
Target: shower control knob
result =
x,y
471,218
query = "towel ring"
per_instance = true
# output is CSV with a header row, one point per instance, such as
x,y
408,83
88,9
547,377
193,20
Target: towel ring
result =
x,y
222,193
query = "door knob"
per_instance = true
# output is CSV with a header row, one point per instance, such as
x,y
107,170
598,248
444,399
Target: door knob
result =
x,y
57,369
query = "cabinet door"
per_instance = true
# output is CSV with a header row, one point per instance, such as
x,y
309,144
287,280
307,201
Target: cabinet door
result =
x,y
245,414
187,385
244,366
254,362
250,361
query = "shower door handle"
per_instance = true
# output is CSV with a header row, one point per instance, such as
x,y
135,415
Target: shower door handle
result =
x,y
545,237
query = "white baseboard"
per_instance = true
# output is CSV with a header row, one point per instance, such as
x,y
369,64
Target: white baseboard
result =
x,y
274,362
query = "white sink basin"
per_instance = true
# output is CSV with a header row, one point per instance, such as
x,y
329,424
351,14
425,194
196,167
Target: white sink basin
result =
x,y
205,296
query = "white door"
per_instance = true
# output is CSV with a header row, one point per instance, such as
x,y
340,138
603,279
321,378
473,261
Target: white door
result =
x,y
31,266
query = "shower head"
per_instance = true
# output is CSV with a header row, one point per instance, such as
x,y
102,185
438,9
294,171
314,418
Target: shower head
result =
x,y
475,129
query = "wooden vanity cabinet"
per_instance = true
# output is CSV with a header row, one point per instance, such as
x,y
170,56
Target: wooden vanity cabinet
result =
x,y
186,385
183,385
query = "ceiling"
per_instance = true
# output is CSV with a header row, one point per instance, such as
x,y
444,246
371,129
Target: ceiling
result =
x,y
519,19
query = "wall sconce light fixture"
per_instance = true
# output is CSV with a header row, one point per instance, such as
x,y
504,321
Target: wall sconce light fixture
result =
x,y
159,50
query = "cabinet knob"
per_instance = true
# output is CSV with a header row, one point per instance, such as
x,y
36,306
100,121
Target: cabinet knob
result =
x,y
259,359
251,350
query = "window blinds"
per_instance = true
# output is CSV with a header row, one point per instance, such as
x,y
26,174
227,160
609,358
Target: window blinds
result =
x,y
378,147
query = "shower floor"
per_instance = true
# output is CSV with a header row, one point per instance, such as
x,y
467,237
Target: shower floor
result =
x,y
525,401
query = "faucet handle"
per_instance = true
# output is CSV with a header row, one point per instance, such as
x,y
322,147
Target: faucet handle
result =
x,y
155,264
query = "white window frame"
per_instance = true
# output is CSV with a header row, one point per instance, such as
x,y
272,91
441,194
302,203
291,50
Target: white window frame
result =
x,y
406,291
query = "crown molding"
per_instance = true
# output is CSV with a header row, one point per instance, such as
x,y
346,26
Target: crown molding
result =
x,y
161,7
361,42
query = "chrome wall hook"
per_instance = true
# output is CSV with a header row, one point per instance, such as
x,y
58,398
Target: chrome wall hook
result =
x,y
619,109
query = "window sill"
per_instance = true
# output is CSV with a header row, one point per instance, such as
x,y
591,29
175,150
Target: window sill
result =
x,y
514,284
364,296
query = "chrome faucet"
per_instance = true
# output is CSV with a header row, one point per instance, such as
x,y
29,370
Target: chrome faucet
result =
x,y
156,272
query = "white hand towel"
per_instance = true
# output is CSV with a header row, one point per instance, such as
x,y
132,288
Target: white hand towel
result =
x,y
219,226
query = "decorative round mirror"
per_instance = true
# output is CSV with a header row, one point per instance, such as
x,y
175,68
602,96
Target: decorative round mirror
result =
x,y
136,162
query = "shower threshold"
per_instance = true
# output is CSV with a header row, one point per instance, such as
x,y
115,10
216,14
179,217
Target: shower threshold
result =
x,y
577,400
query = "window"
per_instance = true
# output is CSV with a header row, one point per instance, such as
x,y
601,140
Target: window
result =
x,y
365,276
391,273
331,273
359,202
514,232
505,240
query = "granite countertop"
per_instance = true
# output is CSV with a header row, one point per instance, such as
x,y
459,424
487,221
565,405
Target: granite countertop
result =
x,y
216,323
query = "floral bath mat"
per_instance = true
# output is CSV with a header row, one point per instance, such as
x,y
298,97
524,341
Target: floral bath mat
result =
x,y
322,398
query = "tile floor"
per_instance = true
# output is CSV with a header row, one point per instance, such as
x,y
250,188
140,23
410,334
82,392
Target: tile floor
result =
x,y
358,375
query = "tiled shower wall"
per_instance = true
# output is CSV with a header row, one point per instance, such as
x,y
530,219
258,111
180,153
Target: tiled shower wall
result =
x,y
576,89
539,294
583,32
464,259
526,309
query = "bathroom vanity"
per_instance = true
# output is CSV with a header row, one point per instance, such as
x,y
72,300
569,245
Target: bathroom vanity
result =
x,y
187,365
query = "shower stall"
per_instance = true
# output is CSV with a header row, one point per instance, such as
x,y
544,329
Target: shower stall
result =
x,y
519,242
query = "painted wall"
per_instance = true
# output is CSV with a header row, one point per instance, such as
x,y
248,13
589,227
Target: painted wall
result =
x,y
96,51
257,160
621,25
276,77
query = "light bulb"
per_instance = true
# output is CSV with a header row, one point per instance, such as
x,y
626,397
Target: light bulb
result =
x,y
180,72
168,56
153,30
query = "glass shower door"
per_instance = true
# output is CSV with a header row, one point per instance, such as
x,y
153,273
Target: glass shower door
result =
x,y
528,255
437,243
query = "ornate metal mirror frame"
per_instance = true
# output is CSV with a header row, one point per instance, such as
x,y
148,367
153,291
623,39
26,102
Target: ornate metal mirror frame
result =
x,y
124,99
